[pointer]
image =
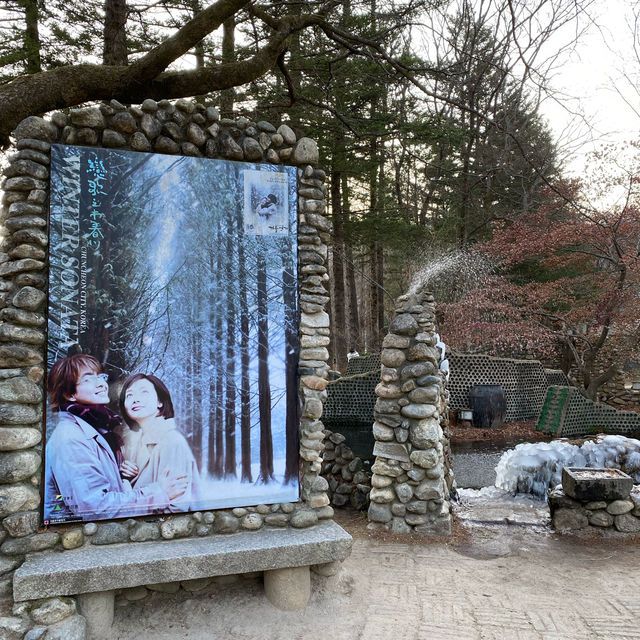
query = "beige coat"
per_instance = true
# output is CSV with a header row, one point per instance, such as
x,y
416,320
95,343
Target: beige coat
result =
x,y
161,450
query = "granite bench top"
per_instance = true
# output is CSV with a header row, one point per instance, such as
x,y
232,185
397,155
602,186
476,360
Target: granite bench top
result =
x,y
118,566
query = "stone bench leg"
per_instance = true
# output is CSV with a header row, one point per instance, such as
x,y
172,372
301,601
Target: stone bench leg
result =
x,y
97,608
288,589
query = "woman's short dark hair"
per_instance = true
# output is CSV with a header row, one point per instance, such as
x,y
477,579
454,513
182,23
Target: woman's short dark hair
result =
x,y
166,410
63,378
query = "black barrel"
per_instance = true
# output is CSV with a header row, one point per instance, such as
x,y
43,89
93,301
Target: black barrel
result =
x,y
489,405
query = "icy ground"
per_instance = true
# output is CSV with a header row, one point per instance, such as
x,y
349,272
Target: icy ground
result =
x,y
493,506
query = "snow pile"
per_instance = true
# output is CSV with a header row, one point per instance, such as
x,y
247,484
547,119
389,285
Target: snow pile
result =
x,y
535,467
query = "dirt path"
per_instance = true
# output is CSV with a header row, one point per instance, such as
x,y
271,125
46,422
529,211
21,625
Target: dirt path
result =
x,y
508,582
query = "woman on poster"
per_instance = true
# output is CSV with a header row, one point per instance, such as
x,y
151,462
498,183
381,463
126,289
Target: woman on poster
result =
x,y
84,452
154,444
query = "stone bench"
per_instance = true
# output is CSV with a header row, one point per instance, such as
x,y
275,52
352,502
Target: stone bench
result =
x,y
94,573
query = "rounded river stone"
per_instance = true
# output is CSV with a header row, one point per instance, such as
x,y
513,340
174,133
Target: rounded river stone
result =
x,y
53,610
20,389
424,459
618,507
252,521
418,411
18,465
392,357
379,512
600,519
306,152
303,518
626,523
426,433
35,127
177,527
404,324
22,524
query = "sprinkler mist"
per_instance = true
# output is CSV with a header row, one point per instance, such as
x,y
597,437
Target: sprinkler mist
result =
x,y
451,274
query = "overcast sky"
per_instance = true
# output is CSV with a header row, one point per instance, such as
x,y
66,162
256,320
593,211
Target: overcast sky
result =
x,y
598,84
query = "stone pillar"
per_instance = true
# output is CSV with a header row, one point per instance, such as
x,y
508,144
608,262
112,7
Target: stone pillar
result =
x,y
411,474
288,589
97,609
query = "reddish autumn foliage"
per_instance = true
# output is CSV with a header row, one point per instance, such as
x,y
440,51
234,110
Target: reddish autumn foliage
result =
x,y
567,285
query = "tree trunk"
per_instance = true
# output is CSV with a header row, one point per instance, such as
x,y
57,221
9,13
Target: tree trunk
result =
x,y
31,35
591,389
245,382
115,36
227,97
380,293
373,337
196,411
216,388
379,276
264,387
230,372
339,319
220,370
196,8
465,193
332,338
213,360
352,290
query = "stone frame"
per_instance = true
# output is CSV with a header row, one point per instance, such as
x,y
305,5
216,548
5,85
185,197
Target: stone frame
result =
x,y
187,128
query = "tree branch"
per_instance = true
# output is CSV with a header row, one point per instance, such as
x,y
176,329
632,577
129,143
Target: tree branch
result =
x,y
73,85
159,58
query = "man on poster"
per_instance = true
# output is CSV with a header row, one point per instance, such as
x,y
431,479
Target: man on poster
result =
x,y
267,206
83,454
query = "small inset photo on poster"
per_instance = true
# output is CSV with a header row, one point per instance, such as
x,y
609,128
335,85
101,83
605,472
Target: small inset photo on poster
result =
x,y
265,203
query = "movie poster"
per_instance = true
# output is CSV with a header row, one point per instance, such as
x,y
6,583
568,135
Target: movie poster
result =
x,y
172,335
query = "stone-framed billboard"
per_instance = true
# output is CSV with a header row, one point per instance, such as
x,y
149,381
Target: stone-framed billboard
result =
x,y
184,128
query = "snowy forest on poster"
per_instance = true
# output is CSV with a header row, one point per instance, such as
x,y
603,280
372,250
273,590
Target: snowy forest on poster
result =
x,y
158,267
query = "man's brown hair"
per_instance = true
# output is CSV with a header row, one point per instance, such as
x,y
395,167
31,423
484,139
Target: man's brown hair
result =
x,y
63,377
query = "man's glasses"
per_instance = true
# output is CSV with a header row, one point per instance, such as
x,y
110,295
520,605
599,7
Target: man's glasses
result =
x,y
94,378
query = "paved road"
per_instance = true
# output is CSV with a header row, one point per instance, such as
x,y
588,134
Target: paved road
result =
x,y
475,469
492,581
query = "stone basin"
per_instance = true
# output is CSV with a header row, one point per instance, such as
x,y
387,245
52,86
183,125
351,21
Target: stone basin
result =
x,y
589,484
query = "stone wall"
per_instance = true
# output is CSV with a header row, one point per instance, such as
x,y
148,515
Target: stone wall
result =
x,y
186,128
412,477
623,391
348,475
349,409
568,514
